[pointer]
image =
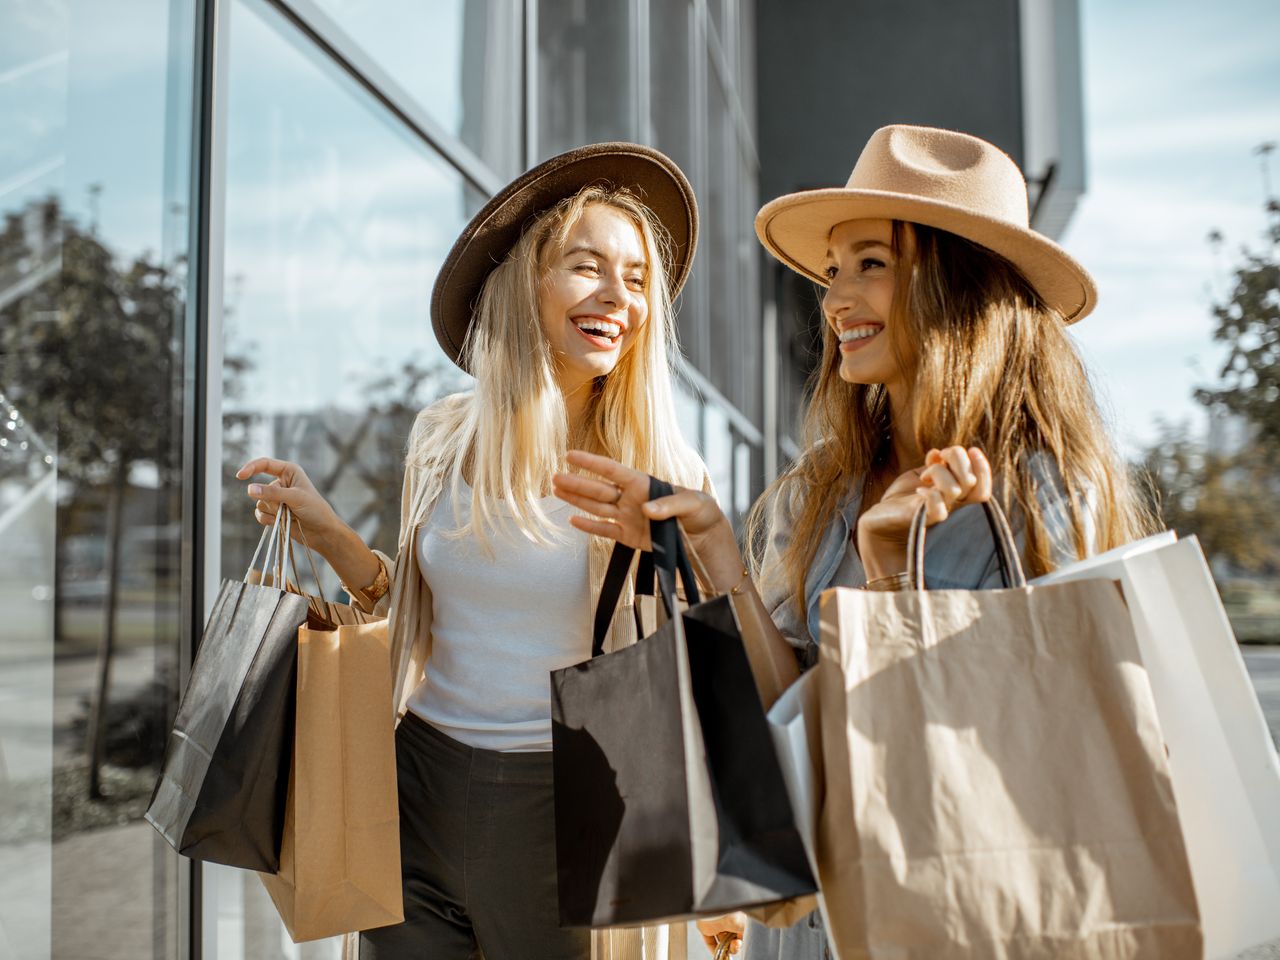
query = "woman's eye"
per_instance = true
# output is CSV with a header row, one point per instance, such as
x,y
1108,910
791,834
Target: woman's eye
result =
x,y
588,267
637,282
830,272
871,263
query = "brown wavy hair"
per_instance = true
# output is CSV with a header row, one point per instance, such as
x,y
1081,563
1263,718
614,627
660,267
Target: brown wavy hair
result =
x,y
991,366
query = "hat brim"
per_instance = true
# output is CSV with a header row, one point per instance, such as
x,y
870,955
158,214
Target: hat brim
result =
x,y
795,229
492,232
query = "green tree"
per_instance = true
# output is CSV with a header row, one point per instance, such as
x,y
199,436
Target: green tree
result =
x,y
1229,501
90,359
1249,323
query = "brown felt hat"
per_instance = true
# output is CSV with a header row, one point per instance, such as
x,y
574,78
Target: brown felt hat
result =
x,y
942,179
489,237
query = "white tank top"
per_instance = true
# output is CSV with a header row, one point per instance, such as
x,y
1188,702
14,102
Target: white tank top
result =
x,y
500,623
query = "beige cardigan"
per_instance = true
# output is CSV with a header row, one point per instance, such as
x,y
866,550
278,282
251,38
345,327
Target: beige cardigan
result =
x,y
408,608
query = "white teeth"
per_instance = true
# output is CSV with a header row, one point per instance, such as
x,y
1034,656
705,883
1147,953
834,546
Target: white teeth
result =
x,y
600,328
858,333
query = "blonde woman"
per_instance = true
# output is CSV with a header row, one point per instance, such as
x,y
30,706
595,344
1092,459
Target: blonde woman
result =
x,y
557,298
947,377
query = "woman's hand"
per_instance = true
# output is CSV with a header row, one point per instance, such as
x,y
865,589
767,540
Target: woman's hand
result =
x,y
293,488
618,499
348,555
714,930
949,478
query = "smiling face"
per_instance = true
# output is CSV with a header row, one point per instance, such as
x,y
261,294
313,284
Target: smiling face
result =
x,y
593,301
863,271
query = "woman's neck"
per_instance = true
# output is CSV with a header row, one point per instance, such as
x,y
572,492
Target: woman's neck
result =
x,y
577,407
904,451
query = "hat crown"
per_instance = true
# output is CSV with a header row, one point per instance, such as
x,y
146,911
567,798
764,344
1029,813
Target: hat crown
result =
x,y
944,166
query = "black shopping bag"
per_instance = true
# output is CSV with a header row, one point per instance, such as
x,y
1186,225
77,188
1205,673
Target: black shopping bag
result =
x,y
222,790
669,799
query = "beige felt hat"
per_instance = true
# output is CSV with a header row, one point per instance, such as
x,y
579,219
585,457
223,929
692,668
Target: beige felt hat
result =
x,y
942,179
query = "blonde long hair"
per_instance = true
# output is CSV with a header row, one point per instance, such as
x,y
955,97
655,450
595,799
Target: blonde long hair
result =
x,y
993,367
514,435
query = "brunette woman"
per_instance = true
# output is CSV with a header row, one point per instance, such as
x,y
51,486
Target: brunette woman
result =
x,y
947,377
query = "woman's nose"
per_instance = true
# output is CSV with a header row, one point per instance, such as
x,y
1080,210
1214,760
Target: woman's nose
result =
x,y
612,289
837,301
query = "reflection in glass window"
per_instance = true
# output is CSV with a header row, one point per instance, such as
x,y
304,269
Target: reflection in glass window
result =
x,y
92,301
336,222
671,112
585,92
689,415
671,79
460,59
717,452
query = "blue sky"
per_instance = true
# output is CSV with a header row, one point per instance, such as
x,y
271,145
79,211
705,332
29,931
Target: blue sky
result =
x,y
1177,95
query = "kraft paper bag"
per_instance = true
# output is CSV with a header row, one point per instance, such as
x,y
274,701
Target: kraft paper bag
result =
x,y
996,784
340,860
1226,775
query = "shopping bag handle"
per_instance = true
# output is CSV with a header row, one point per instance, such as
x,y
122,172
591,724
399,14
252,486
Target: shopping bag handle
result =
x,y
669,554
662,563
1011,572
270,538
279,543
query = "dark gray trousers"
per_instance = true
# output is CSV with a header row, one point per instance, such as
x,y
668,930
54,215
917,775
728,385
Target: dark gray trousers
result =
x,y
477,853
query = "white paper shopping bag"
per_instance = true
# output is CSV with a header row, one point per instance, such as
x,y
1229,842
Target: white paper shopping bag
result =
x,y
1223,763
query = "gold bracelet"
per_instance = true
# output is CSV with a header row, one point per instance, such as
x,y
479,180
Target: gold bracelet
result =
x,y
890,584
375,591
737,590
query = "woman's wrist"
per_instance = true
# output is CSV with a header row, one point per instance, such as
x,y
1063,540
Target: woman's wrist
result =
x,y
349,556
880,559
722,560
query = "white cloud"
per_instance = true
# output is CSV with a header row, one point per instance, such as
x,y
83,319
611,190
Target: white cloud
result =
x,y
1177,96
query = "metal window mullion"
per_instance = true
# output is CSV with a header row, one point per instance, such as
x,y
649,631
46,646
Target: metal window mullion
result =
x,y
202,454
336,43
644,129
530,82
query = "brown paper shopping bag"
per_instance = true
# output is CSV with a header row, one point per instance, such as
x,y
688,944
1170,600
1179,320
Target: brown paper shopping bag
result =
x,y
996,779
340,860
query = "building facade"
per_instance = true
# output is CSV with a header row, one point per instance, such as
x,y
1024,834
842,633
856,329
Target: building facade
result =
x,y
221,224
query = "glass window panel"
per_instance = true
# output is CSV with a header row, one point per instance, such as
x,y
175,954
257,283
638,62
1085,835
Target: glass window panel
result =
x,y
33,100
671,112
689,414
716,8
751,321
671,80
719,258
742,478
747,60
336,223
717,453
462,60
94,180
585,91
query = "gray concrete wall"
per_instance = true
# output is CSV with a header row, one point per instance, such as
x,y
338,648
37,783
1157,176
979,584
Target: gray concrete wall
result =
x,y
831,71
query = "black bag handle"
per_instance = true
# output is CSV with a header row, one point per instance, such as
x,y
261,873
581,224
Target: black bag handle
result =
x,y
667,557
1011,572
610,592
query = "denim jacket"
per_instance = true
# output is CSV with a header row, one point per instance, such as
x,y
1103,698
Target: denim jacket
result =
x,y
960,553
